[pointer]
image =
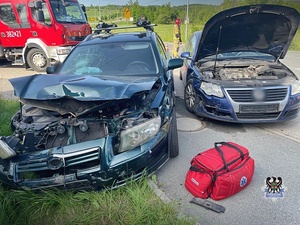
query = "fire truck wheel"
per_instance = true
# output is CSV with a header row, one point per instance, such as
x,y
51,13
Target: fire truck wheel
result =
x,y
37,60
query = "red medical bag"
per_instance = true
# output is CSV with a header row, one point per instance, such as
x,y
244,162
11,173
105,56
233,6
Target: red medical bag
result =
x,y
220,172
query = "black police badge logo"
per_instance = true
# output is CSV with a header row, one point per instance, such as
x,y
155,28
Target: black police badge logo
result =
x,y
274,188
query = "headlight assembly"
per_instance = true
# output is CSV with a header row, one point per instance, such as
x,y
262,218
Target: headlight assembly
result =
x,y
6,151
63,51
296,87
139,134
212,89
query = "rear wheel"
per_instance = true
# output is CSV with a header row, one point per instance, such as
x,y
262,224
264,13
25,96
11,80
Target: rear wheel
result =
x,y
37,60
190,96
173,137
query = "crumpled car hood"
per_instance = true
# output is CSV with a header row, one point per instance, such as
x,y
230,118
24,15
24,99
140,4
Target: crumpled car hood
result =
x,y
260,28
83,88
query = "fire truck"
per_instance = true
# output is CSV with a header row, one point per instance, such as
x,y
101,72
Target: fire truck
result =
x,y
39,33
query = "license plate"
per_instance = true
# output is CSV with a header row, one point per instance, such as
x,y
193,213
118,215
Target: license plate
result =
x,y
258,108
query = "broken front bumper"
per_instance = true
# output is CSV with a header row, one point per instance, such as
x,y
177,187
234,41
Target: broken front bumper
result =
x,y
84,166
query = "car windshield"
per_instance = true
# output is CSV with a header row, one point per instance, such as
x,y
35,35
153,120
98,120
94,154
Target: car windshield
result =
x,y
67,11
121,58
239,55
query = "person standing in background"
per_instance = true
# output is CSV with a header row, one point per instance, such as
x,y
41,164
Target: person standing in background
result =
x,y
176,37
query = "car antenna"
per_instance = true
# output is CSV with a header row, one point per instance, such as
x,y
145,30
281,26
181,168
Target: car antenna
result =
x,y
217,50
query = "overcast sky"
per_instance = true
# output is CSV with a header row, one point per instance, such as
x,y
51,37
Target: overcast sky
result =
x,y
149,2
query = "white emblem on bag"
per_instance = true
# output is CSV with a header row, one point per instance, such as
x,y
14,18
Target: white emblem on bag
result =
x,y
195,182
243,181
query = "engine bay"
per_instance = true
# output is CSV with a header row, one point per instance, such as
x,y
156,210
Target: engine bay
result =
x,y
271,71
43,125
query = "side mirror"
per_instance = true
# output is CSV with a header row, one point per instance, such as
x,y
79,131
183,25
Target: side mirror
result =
x,y
84,10
175,63
40,16
51,69
83,7
38,5
186,55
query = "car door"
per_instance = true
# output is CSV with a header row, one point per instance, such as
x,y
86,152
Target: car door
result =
x,y
190,46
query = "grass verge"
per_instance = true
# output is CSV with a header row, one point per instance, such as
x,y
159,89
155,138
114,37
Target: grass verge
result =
x,y
132,204
8,109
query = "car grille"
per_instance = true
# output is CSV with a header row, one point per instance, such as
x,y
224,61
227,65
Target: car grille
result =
x,y
84,159
77,38
257,115
246,95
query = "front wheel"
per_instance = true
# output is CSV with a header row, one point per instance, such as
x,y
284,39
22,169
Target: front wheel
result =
x,y
190,96
37,60
173,145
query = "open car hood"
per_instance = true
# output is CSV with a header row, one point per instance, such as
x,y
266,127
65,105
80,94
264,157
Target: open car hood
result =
x,y
259,28
83,88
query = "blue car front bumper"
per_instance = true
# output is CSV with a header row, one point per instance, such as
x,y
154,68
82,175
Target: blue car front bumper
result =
x,y
224,109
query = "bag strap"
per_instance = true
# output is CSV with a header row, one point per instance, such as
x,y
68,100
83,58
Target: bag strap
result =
x,y
222,156
231,146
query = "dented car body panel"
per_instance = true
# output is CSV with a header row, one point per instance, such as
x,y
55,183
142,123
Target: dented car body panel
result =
x,y
85,88
232,70
91,129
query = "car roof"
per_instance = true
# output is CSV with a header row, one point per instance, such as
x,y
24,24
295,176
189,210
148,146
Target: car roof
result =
x,y
118,37
108,37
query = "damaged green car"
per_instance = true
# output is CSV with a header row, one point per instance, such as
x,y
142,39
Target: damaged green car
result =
x,y
102,117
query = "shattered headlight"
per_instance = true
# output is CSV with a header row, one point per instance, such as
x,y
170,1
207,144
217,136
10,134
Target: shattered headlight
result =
x,y
212,89
296,87
5,150
139,134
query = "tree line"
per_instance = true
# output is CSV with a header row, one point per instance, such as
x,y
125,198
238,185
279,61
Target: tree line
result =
x,y
197,13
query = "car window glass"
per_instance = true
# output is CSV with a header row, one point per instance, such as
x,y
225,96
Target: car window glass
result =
x,y
7,16
67,11
162,51
46,13
191,46
130,58
21,9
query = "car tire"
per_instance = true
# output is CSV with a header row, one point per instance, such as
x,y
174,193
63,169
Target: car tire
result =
x,y
190,97
37,60
173,145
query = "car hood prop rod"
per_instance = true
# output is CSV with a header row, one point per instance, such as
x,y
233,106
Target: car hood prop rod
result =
x,y
217,50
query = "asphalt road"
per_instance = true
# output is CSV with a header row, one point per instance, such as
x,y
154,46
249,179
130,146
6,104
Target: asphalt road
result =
x,y
274,147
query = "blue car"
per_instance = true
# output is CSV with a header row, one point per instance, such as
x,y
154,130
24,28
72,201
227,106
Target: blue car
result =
x,y
232,70
106,115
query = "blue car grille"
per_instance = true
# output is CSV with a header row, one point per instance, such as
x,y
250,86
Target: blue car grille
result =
x,y
258,115
246,95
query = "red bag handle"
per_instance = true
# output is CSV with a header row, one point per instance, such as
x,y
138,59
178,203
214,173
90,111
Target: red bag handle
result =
x,y
222,154
232,146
